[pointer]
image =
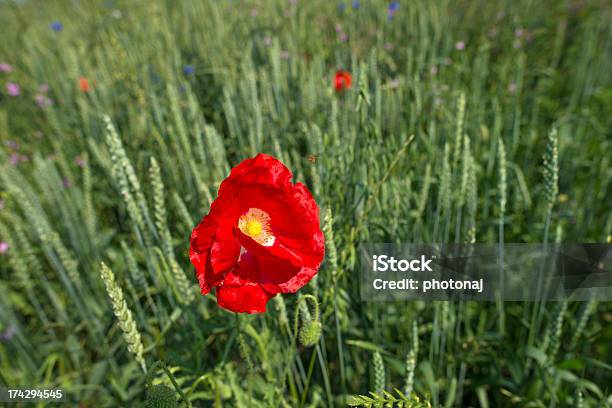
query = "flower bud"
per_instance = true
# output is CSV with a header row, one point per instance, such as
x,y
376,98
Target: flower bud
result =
x,y
310,333
160,396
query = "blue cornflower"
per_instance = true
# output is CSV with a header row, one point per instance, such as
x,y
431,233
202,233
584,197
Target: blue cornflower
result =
x,y
57,26
356,4
392,9
188,69
341,6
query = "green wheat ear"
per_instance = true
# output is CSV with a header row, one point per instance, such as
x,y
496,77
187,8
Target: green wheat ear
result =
x,y
503,190
332,253
379,372
555,330
124,315
160,396
459,127
411,360
551,169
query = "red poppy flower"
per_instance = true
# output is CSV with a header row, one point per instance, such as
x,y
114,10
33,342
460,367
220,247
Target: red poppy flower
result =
x,y
342,80
261,237
84,84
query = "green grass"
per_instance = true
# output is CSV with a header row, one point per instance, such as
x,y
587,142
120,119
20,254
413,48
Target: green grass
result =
x,y
153,144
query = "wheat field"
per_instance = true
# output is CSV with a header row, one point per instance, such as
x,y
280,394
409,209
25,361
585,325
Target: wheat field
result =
x,y
466,121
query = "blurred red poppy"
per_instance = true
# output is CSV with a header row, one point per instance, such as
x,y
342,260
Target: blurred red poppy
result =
x,y
261,237
84,84
342,80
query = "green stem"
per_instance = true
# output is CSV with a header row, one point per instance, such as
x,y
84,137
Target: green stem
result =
x,y
164,367
310,370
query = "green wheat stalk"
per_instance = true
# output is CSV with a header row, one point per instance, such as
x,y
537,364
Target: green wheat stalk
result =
x,y
551,169
459,127
159,208
124,316
379,372
411,360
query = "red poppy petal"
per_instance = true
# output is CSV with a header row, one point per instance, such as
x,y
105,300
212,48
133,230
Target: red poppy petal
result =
x,y
225,249
241,291
277,250
280,276
294,221
298,280
199,252
203,239
202,264
262,168
306,237
250,298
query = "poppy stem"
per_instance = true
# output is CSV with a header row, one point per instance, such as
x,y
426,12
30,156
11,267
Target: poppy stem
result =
x,y
309,376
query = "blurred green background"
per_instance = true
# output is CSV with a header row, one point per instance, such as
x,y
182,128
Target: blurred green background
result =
x,y
119,119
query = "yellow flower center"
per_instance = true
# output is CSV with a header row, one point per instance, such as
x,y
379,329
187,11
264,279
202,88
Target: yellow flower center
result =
x,y
253,228
255,223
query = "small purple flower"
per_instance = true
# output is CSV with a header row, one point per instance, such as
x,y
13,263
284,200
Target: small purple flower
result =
x,y
388,46
356,4
338,28
13,89
12,144
343,37
56,26
512,87
518,33
460,45
188,69
66,183
14,159
4,67
43,100
293,2
4,247
79,161
43,88
1,204
433,70
254,12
